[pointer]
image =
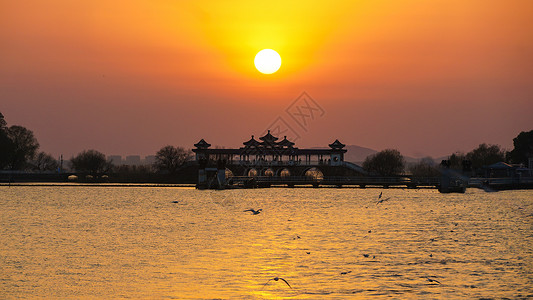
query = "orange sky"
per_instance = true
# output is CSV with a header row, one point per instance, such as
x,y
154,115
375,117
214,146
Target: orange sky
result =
x,y
128,77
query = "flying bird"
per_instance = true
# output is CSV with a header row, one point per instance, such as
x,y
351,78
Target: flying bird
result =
x,y
347,272
383,200
380,194
432,280
254,212
276,279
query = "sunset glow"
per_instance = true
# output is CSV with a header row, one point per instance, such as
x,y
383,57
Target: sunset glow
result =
x,y
208,149
102,66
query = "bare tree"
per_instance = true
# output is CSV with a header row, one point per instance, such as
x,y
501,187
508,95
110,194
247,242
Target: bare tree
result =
x,y
90,161
45,162
6,145
455,161
3,123
388,162
485,155
170,158
426,167
24,145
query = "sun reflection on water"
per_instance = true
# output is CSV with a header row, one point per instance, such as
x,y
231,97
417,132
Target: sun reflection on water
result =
x,y
142,242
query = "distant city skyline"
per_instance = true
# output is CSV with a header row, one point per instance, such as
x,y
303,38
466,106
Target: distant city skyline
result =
x,y
425,78
131,160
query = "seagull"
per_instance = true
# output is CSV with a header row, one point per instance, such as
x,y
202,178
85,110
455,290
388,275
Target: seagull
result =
x,y
254,212
382,200
432,280
276,279
347,272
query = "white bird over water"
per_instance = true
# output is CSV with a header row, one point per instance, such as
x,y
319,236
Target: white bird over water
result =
x,y
254,212
276,279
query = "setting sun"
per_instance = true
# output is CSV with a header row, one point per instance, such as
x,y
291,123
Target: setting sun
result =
x,y
267,61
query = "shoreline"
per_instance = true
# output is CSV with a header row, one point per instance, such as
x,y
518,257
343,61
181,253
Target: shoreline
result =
x,y
69,184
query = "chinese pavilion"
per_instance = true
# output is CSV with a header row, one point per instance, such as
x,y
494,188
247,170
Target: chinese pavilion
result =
x,y
270,157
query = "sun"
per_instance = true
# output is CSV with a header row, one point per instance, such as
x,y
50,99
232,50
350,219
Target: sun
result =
x,y
267,61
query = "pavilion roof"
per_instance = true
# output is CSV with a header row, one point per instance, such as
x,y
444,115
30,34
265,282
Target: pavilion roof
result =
x,y
285,142
337,145
270,146
269,138
252,142
202,144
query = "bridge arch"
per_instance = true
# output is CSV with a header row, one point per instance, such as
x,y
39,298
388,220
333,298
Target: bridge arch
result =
x,y
252,172
284,172
314,173
229,173
268,172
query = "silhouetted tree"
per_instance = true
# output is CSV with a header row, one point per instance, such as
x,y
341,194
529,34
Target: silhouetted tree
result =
x,y
425,168
45,162
6,145
170,158
3,123
128,173
455,160
523,148
24,146
485,155
388,162
91,161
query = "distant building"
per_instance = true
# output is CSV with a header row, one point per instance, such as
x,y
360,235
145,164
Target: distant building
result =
x,y
115,159
149,160
502,169
132,160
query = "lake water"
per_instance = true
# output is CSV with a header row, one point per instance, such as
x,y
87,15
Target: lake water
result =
x,y
135,242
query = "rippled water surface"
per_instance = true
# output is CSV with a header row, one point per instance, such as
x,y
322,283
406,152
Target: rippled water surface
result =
x,y
136,242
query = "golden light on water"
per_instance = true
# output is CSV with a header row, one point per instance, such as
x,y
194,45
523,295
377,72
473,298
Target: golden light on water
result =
x,y
136,242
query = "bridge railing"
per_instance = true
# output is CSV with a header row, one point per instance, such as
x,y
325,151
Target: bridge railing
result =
x,y
264,163
344,180
500,181
408,181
